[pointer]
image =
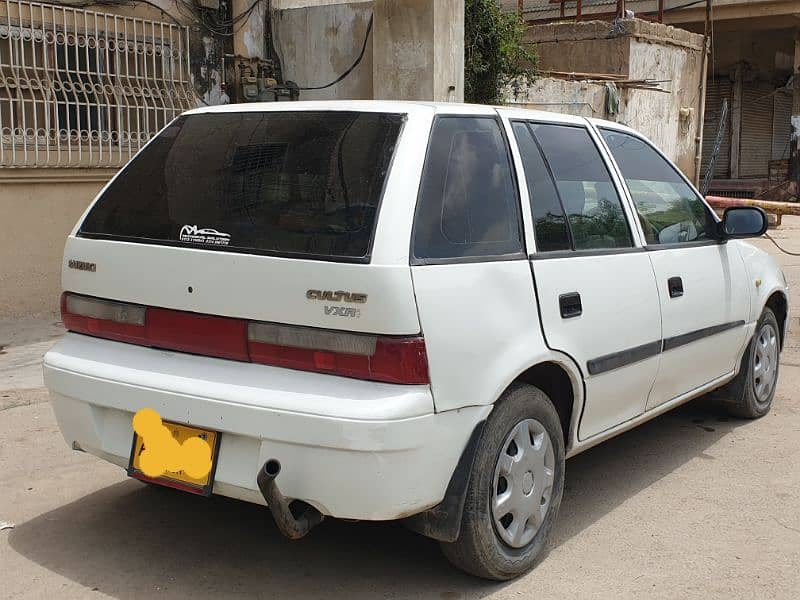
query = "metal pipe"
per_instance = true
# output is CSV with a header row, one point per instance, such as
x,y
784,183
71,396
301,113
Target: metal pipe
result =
x,y
776,208
701,117
296,523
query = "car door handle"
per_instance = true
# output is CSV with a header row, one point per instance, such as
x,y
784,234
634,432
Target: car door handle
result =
x,y
675,286
570,305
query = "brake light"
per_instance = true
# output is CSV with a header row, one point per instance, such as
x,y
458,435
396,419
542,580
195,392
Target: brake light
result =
x,y
376,358
389,359
104,318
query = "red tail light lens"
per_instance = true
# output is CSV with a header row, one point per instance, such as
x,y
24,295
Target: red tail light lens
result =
x,y
389,359
104,318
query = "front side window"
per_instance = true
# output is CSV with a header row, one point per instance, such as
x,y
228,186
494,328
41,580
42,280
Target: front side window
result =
x,y
468,204
670,212
583,186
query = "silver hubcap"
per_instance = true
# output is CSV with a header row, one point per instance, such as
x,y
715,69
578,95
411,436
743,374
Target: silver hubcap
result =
x,y
765,363
523,483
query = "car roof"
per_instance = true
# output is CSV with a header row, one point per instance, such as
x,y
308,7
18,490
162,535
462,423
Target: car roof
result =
x,y
391,106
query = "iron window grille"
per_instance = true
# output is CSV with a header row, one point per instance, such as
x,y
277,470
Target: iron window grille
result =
x,y
80,88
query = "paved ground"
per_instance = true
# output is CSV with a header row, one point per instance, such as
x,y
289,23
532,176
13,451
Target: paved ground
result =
x,y
691,505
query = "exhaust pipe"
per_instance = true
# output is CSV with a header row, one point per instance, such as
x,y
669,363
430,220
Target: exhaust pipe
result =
x,y
294,518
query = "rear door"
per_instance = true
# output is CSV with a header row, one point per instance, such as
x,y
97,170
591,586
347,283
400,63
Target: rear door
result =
x,y
594,282
470,269
270,215
702,284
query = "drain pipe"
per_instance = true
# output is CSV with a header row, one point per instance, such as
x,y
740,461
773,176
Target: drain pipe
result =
x,y
294,518
698,145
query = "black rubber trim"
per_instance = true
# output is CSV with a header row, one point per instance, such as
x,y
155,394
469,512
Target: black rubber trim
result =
x,y
616,360
687,338
609,362
443,521
421,262
584,253
683,245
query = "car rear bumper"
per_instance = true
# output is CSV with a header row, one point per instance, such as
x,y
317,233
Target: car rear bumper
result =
x,y
353,449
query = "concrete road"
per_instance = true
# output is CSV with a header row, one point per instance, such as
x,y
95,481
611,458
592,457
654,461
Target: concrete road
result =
x,y
690,505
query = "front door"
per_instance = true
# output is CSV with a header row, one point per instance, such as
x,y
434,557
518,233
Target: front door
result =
x,y
701,282
594,284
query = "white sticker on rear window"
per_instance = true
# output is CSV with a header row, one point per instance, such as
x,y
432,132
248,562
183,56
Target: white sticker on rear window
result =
x,y
212,237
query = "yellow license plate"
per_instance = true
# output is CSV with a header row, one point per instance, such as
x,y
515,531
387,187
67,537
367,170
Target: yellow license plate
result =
x,y
178,479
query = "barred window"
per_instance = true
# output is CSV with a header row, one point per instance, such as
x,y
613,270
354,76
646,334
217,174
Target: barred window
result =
x,y
81,88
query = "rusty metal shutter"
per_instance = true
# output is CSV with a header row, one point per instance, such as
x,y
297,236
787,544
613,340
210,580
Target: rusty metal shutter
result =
x,y
781,125
716,91
755,146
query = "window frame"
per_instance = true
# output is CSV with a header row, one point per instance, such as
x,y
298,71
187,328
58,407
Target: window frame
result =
x,y
622,192
414,261
657,247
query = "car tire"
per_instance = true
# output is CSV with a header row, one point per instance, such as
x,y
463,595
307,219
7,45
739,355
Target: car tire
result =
x,y
750,394
491,545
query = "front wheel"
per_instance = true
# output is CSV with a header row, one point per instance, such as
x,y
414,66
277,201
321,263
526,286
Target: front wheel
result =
x,y
515,488
750,394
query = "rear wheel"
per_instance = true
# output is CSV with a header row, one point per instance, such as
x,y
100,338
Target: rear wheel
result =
x,y
750,394
515,488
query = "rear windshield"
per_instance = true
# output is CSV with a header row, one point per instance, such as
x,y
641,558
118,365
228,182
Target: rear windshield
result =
x,y
286,183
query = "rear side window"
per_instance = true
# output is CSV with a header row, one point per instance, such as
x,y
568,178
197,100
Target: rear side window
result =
x,y
550,222
468,204
591,203
302,184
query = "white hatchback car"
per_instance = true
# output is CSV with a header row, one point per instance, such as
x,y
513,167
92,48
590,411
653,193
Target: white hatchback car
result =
x,y
409,311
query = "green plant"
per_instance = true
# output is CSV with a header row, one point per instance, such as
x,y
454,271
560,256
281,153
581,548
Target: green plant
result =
x,y
494,53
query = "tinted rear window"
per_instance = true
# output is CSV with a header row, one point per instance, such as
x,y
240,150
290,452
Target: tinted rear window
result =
x,y
287,183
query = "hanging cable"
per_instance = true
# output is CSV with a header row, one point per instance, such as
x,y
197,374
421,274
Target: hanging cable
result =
x,y
770,238
352,67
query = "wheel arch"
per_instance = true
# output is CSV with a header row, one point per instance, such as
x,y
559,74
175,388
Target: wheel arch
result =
x,y
560,379
778,303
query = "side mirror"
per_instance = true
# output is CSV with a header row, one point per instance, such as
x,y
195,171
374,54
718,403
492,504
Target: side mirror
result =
x,y
744,222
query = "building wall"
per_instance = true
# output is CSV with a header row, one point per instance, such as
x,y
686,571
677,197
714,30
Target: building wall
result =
x,y
579,98
38,209
635,50
658,115
317,43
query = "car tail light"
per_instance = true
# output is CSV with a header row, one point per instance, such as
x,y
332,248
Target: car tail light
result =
x,y
389,359
104,318
377,358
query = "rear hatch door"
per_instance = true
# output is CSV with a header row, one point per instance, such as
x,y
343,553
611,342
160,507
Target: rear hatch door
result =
x,y
262,215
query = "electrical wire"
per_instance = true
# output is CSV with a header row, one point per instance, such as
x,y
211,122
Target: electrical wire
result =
x,y
352,67
214,25
784,250
128,3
